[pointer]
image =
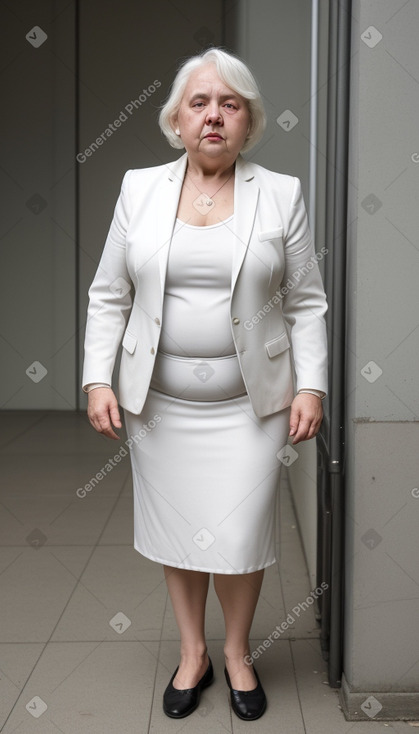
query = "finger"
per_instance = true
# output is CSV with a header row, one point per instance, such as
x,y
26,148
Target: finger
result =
x,y
294,420
109,432
105,423
101,422
302,431
307,430
110,419
96,420
115,417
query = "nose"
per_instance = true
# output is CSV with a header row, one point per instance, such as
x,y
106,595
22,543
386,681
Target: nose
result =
x,y
213,115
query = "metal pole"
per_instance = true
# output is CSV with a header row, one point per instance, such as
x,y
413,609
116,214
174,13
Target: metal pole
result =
x,y
337,411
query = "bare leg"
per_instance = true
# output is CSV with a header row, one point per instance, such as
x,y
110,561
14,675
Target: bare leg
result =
x,y
188,593
238,595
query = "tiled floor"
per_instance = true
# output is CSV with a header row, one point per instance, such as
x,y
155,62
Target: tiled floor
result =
x,y
88,638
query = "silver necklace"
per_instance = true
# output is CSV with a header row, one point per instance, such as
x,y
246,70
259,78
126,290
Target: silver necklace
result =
x,y
204,199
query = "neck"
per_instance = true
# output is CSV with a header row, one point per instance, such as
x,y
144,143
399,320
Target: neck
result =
x,y
214,170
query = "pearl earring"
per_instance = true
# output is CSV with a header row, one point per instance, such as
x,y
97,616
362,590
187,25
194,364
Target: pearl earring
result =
x,y
177,131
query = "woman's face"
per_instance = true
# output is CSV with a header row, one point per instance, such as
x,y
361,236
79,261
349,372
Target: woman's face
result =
x,y
212,119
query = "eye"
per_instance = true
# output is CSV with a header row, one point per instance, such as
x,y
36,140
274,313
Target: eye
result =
x,y
198,104
230,105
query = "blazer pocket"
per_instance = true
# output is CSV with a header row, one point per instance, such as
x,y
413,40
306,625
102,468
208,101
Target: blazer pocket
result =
x,y
129,342
277,345
270,234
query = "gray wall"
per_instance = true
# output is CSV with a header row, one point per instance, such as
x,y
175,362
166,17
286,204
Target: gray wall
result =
x,y
37,254
382,506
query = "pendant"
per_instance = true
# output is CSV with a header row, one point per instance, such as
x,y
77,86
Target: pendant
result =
x,y
203,203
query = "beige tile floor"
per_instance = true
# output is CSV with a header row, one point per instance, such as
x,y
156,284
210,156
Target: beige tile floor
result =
x,y
68,568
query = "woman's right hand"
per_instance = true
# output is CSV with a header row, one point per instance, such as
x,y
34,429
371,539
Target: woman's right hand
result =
x,y
102,411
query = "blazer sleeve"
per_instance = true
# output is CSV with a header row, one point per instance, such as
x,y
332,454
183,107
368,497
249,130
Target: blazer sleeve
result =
x,y
304,303
110,300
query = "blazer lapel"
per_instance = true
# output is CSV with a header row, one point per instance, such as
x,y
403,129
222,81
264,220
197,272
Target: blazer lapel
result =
x,y
246,194
169,194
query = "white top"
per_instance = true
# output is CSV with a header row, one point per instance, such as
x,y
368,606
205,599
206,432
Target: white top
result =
x,y
196,309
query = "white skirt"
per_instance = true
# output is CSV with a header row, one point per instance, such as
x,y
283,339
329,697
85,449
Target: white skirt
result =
x,y
205,469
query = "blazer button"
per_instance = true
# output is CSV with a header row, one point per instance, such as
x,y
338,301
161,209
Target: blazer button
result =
x,y
236,320
157,320
152,350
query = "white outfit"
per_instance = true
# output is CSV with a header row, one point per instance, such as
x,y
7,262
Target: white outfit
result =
x,y
205,469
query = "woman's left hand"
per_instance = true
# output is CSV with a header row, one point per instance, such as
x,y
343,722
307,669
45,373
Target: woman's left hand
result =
x,y
305,417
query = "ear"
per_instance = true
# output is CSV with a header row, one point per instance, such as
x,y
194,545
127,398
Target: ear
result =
x,y
174,124
250,126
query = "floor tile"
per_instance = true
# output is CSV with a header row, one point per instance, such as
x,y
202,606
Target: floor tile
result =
x,y
15,423
119,529
89,687
55,520
36,586
116,581
17,663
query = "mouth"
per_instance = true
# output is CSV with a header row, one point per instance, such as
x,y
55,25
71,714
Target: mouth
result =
x,y
213,136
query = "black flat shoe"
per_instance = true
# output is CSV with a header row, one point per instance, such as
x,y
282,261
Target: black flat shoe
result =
x,y
247,705
177,702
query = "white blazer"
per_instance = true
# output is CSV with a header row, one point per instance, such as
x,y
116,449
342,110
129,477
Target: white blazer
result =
x,y
278,302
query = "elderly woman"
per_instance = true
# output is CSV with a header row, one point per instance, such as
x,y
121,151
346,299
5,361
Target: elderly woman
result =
x,y
210,280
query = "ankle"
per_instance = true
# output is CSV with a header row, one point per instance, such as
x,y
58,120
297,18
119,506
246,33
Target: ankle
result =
x,y
237,655
198,653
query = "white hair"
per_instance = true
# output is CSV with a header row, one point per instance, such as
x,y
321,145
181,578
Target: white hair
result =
x,y
235,74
